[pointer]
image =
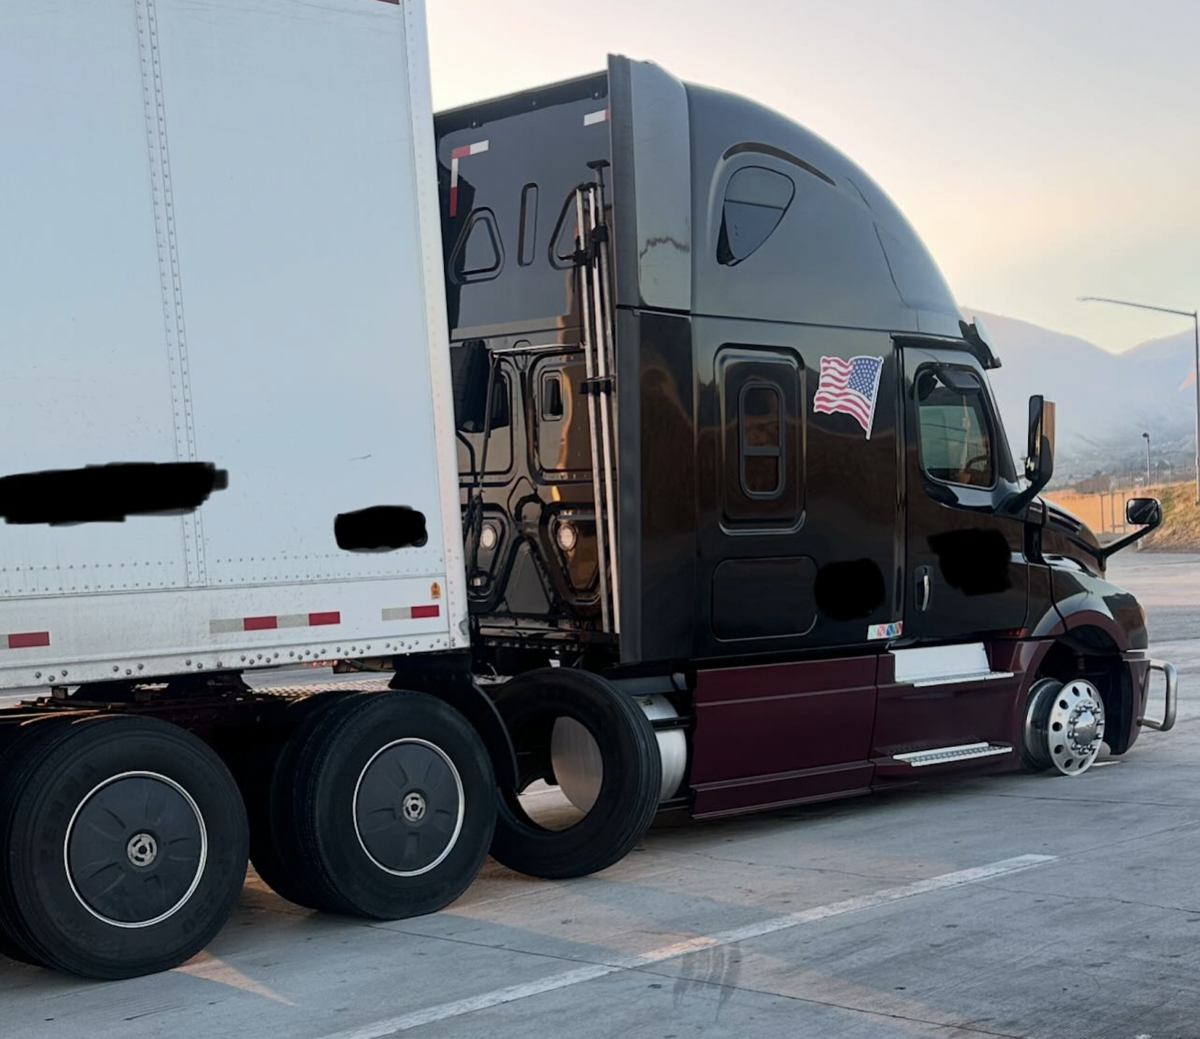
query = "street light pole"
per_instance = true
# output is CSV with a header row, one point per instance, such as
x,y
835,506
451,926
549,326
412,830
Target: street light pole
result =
x,y
1195,316
1147,436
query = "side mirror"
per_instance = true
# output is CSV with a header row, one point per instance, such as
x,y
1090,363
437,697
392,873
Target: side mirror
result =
x,y
1039,457
1143,512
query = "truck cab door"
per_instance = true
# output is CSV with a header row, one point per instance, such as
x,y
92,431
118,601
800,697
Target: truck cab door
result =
x,y
967,574
946,685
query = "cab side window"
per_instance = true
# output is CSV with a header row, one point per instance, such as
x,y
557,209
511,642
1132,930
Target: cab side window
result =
x,y
762,455
761,436
954,427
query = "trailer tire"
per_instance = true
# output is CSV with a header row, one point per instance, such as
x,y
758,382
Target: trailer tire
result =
x,y
105,900
273,848
390,803
10,948
13,950
629,788
13,741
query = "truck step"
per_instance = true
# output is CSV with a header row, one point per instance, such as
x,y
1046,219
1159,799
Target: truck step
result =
x,y
944,755
945,665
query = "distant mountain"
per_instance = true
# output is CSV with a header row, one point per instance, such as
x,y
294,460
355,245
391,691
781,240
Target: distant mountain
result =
x,y
1105,401
1166,357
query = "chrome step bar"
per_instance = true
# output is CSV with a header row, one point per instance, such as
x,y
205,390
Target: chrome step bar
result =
x,y
944,755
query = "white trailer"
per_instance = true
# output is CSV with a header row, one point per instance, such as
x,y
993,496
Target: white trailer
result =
x,y
221,245
221,262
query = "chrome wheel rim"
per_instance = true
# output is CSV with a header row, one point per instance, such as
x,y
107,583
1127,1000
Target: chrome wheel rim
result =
x,y
1075,727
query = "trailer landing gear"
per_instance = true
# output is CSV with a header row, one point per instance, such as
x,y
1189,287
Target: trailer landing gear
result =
x,y
1064,726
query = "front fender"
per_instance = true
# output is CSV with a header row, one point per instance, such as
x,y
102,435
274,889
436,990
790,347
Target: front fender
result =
x,y
1106,621
1084,600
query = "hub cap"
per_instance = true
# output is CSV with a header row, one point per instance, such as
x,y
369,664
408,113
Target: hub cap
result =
x,y
135,849
1075,727
142,849
408,807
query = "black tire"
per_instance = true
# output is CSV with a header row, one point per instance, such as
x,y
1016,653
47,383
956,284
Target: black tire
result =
x,y
629,789
15,740
101,900
1035,751
399,750
273,848
10,948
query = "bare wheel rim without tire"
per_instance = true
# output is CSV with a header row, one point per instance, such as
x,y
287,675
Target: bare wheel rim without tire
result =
x,y
1064,728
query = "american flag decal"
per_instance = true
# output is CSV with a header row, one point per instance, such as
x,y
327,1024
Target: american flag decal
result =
x,y
849,386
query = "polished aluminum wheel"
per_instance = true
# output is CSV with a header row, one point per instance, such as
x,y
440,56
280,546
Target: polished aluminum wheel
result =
x,y
1075,727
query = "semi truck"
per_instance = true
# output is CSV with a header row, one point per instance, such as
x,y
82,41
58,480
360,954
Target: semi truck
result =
x,y
623,424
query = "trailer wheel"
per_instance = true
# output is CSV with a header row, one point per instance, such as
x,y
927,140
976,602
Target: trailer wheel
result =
x,y
273,847
1064,727
10,948
13,741
390,801
124,846
614,742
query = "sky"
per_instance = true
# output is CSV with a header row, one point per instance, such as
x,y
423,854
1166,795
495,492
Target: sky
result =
x,y
1043,149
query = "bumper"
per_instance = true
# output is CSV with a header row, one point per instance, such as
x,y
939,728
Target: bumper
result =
x,y
1171,679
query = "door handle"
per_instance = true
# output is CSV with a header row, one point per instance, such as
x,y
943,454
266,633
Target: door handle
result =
x,y
924,588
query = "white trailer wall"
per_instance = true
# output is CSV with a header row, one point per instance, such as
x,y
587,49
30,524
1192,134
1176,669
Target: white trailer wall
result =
x,y
219,243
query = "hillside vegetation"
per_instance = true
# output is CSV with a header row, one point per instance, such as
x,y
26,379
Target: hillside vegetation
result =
x,y
1180,531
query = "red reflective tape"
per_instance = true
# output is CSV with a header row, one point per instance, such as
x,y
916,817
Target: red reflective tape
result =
x,y
29,640
259,623
456,156
324,618
425,611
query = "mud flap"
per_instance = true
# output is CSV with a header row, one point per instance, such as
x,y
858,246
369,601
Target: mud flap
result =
x,y
448,677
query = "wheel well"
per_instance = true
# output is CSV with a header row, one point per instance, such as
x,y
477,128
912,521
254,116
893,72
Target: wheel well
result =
x,y
1091,653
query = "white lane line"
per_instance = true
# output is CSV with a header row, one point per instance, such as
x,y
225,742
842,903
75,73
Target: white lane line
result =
x,y
591,972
